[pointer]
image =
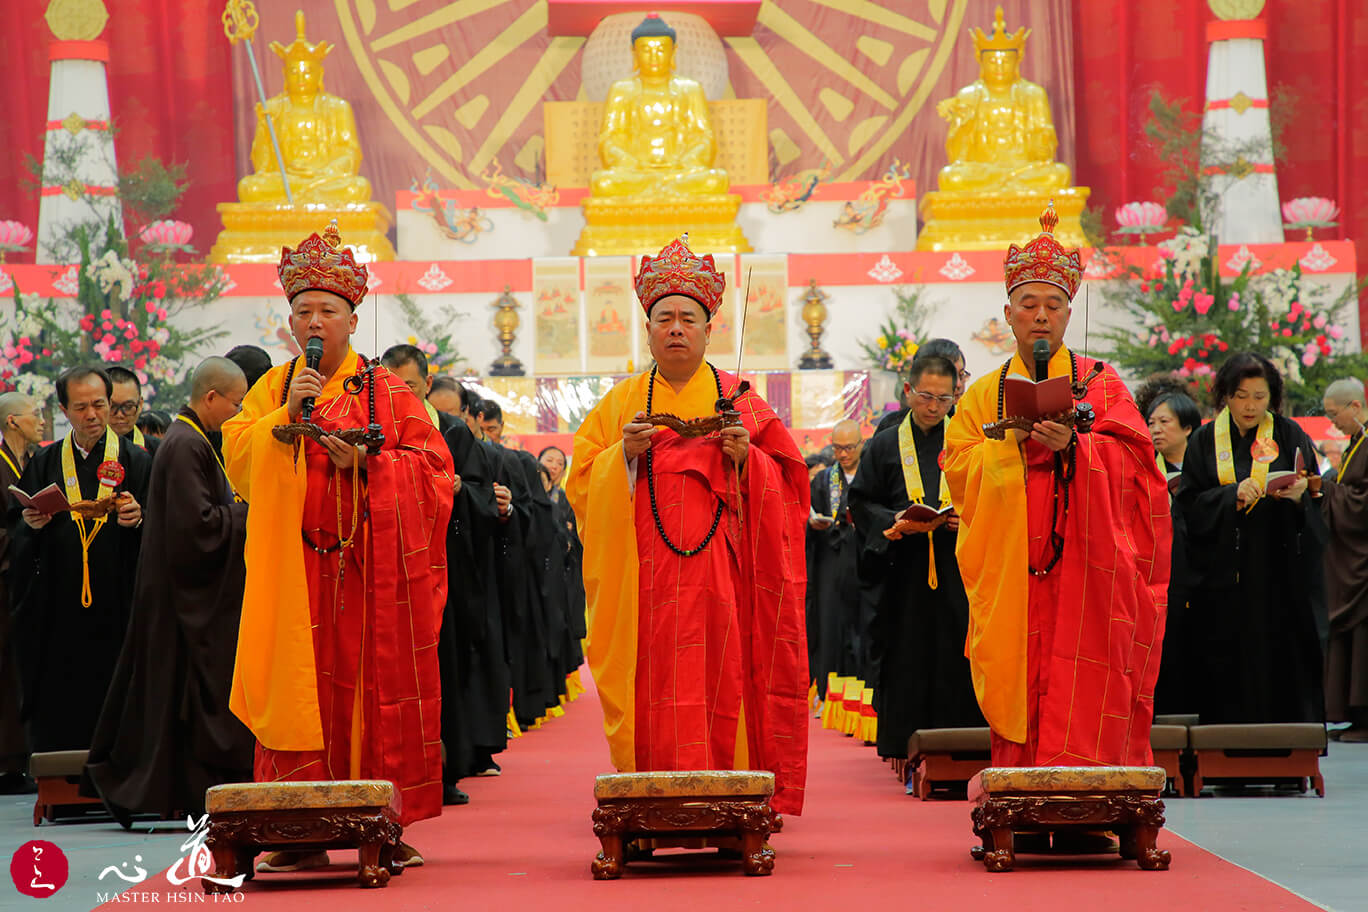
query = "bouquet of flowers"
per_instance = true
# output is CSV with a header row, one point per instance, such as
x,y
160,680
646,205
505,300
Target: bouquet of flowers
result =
x,y
896,344
428,335
1188,319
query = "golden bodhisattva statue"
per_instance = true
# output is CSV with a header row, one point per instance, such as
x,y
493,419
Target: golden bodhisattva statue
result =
x,y
657,147
321,157
1001,150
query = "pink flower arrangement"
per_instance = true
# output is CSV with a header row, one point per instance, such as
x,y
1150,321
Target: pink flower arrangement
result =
x,y
167,234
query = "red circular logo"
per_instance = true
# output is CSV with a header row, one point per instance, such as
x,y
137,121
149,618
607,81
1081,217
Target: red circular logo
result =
x,y
39,869
110,472
940,460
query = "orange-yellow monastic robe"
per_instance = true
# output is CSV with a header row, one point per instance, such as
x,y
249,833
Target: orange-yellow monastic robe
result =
x,y
700,662
336,671
1064,665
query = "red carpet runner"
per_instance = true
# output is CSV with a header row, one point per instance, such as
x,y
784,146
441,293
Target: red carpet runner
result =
x,y
525,842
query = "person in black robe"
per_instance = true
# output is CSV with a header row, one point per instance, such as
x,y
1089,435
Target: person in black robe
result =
x,y
126,405
1345,509
1253,556
21,422
941,348
923,678
67,650
553,460
471,645
166,733
840,613
1172,417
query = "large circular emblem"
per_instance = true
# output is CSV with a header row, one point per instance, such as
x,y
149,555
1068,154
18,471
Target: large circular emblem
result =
x,y
466,112
1265,451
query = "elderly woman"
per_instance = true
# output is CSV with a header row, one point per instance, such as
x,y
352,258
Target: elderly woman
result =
x,y
1253,555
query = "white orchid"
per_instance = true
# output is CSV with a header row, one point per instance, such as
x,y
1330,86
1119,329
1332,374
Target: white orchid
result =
x,y
1187,248
1287,362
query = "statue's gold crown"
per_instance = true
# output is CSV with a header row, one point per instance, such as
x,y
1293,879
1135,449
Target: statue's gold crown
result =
x,y
300,50
1000,40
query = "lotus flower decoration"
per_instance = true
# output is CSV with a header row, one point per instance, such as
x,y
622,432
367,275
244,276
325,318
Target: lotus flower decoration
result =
x,y
1141,218
167,235
1310,212
14,237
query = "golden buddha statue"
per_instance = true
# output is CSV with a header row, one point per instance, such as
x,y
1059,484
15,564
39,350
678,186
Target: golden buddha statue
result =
x,y
316,143
1001,147
657,145
316,131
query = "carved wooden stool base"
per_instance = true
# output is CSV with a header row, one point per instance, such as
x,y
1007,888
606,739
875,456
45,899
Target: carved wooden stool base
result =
x,y
303,817
1068,799
639,812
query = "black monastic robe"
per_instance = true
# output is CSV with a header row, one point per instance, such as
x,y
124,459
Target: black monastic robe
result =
x,y
67,652
166,733
918,632
1344,506
1253,616
13,743
843,614
1181,661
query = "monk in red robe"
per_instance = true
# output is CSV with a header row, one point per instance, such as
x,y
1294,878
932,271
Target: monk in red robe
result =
x,y
694,555
337,672
1063,545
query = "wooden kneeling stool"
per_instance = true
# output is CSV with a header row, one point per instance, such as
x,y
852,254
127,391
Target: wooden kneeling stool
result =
x,y
58,774
947,758
1259,753
1169,744
686,804
1122,799
253,817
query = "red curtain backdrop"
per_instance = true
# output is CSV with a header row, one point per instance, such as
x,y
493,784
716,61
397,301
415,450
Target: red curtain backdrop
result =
x,y
171,95
171,86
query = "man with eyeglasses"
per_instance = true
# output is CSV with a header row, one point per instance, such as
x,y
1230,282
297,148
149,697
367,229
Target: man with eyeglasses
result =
x,y
125,405
1063,546
921,612
943,348
838,622
166,734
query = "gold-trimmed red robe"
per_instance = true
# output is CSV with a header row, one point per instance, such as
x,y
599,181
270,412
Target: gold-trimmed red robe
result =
x,y
338,679
1064,665
700,662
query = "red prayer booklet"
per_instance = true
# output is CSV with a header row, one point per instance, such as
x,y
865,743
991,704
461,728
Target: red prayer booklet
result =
x,y
1025,398
924,513
1173,479
1285,479
50,500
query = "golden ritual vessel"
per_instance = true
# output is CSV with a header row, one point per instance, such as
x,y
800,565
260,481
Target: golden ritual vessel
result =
x,y
1001,149
658,149
321,156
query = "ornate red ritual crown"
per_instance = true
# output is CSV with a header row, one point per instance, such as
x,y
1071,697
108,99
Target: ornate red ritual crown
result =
x,y
678,270
1044,260
322,262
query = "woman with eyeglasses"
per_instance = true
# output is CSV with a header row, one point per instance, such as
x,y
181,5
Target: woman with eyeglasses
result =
x,y
1254,549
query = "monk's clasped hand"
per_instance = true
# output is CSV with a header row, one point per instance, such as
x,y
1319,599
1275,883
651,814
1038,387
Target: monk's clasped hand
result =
x,y
1293,491
636,436
130,511
35,520
344,455
736,443
1052,434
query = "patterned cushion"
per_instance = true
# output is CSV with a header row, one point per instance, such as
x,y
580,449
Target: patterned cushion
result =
x,y
685,784
285,796
997,780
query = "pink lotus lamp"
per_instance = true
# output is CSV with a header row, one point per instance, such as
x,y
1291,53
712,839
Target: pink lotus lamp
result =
x,y
1310,212
14,237
167,235
1143,219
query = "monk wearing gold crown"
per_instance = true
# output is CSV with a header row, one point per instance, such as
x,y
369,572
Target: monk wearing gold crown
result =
x,y
694,552
1063,544
336,671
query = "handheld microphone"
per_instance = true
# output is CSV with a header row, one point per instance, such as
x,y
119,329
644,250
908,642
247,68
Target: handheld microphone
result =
x,y
313,355
1041,351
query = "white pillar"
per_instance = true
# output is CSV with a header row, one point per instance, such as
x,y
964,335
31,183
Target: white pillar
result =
x,y
80,176
1240,189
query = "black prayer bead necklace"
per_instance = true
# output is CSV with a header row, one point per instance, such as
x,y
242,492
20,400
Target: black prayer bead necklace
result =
x,y
650,479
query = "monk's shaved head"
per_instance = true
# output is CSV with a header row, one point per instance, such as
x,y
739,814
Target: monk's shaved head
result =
x,y
846,444
1344,391
218,374
846,431
14,404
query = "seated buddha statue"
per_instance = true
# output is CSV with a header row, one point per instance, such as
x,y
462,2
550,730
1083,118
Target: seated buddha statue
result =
x,y
1001,134
316,131
657,137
